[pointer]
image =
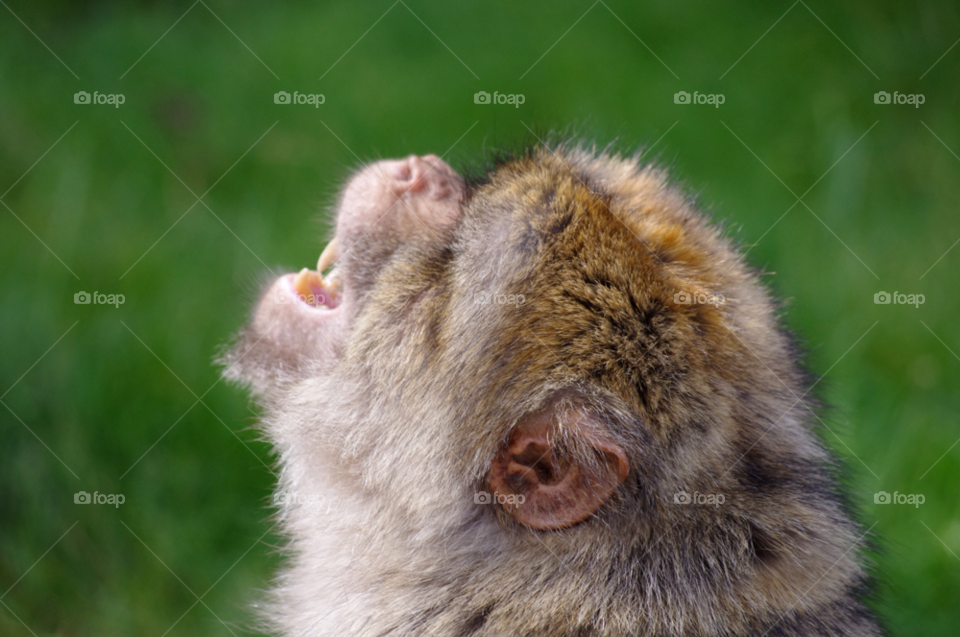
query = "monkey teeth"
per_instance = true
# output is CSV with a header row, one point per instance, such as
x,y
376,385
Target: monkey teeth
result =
x,y
315,290
329,255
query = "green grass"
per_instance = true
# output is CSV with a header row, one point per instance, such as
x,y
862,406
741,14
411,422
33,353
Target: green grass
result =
x,y
195,517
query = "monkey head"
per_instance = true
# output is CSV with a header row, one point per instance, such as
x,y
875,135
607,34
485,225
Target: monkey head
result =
x,y
550,401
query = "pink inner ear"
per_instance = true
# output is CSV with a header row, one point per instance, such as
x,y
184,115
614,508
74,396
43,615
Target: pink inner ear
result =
x,y
557,491
534,459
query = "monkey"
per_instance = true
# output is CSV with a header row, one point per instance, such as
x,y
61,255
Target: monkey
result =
x,y
549,399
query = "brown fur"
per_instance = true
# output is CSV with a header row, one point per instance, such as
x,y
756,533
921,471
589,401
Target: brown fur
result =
x,y
395,424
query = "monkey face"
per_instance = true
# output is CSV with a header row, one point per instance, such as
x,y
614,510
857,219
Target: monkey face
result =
x,y
304,318
537,365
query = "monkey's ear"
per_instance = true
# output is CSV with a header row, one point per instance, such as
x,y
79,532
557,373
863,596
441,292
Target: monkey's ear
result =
x,y
557,476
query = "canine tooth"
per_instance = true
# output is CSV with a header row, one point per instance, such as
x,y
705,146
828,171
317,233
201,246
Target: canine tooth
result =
x,y
306,280
301,282
328,256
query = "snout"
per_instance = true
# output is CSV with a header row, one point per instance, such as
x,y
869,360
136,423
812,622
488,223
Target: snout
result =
x,y
394,198
305,316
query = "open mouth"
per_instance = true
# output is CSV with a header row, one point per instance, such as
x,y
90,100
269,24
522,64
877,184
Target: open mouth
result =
x,y
315,290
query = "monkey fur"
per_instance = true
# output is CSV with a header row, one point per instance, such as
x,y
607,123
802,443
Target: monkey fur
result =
x,y
530,336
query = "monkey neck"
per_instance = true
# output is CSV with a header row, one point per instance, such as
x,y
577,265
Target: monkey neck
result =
x,y
353,576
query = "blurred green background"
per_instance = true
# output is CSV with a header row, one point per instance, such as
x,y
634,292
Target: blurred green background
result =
x,y
104,399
